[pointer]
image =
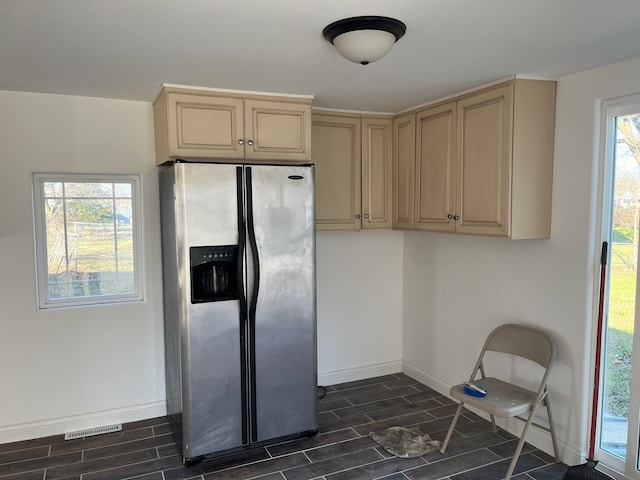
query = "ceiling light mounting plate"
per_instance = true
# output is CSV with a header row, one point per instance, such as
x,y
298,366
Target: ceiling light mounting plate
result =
x,y
387,24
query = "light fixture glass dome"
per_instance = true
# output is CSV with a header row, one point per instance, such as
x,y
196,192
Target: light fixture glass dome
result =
x,y
364,39
364,46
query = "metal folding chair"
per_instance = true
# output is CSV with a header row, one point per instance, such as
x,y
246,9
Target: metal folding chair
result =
x,y
506,399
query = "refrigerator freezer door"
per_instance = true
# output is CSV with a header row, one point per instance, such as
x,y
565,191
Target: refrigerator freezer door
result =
x,y
171,303
214,411
284,354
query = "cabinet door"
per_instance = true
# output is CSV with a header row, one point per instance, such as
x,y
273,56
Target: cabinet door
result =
x,y
404,154
435,187
484,178
376,173
204,127
277,130
336,154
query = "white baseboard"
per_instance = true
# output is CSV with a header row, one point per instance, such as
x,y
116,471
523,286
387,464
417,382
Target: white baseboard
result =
x,y
57,426
359,373
572,455
536,436
423,377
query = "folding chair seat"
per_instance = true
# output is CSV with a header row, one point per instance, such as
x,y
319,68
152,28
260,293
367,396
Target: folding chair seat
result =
x,y
504,398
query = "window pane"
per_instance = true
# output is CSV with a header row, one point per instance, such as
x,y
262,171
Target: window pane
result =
x,y
90,210
124,211
96,251
88,189
123,190
623,273
56,244
52,189
58,286
124,239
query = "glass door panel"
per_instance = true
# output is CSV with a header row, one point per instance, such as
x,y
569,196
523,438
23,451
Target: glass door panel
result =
x,y
618,420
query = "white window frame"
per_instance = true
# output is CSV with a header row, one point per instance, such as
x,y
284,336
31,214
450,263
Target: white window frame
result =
x,y
40,241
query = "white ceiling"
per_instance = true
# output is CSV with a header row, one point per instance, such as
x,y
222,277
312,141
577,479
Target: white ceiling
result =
x,y
128,48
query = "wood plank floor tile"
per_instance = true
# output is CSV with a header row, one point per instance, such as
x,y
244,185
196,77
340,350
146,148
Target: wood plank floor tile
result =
x,y
39,463
340,449
332,465
257,469
25,454
499,469
379,469
310,444
91,466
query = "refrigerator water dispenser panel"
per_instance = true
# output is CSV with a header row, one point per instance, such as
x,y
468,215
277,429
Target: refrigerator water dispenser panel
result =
x,y
214,273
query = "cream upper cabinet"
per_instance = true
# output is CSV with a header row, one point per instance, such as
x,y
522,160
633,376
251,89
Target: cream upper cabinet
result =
x,y
376,172
198,126
278,130
352,156
194,124
505,141
435,168
403,160
336,154
484,142
484,162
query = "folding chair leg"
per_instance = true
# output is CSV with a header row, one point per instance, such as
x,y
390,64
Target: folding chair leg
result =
x,y
451,427
552,429
516,454
493,424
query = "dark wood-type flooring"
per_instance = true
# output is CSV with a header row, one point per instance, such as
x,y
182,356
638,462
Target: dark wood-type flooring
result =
x,y
342,450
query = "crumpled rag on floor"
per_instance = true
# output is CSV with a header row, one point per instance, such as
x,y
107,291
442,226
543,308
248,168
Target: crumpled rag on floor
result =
x,y
405,442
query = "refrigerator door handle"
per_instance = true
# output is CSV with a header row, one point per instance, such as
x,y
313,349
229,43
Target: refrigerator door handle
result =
x,y
254,249
253,301
242,242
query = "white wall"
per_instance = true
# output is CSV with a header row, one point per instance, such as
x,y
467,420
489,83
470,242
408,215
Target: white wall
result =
x,y
60,368
67,369
359,305
458,288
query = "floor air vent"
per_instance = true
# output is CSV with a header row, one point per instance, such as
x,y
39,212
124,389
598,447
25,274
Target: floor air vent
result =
x,y
89,432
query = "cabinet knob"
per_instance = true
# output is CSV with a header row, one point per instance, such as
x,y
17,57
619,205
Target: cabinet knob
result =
x,y
241,142
449,216
366,215
456,217
358,216
249,142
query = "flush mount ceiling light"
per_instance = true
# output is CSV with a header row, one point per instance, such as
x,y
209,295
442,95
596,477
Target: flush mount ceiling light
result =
x,y
364,39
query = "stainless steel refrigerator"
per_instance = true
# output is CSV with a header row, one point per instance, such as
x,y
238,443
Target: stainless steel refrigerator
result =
x,y
238,249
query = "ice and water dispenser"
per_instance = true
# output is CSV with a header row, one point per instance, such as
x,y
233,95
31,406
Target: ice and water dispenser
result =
x,y
214,273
